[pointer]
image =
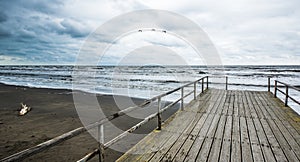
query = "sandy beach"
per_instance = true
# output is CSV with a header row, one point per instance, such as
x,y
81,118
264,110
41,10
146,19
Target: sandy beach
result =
x,y
53,113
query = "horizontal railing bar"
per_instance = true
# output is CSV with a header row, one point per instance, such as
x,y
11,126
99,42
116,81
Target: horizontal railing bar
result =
x,y
280,91
290,86
285,93
237,84
174,90
188,94
38,148
170,105
130,130
89,156
162,110
294,100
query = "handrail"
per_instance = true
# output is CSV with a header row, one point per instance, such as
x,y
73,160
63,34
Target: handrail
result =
x,y
227,83
286,93
152,116
52,142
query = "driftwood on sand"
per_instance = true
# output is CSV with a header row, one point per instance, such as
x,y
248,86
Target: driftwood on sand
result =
x,y
24,109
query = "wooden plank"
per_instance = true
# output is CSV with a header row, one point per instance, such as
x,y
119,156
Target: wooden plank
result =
x,y
231,103
235,104
162,153
224,126
255,143
278,153
289,153
183,152
283,144
163,148
246,147
205,150
180,122
241,105
287,134
149,146
268,154
218,138
236,152
173,150
220,99
245,139
199,104
198,143
253,112
292,126
217,141
225,154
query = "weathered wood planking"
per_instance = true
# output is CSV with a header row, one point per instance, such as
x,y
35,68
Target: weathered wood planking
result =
x,y
222,126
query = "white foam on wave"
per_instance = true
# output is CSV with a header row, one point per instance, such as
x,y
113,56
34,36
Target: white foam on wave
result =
x,y
143,82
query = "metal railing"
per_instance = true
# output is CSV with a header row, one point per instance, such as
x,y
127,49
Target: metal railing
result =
x,y
227,83
286,93
100,151
276,88
160,110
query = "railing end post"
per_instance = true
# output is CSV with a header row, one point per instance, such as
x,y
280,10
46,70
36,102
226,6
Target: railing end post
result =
x,y
202,86
286,95
226,85
195,90
158,114
269,83
206,82
275,89
182,100
101,142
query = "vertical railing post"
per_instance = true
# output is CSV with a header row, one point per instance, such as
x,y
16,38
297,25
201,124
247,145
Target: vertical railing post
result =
x,y
101,142
206,82
158,114
226,85
269,84
202,87
286,95
195,90
182,101
275,89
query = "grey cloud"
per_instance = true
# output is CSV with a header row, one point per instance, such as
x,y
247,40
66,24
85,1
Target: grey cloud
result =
x,y
74,28
53,29
46,6
3,17
4,33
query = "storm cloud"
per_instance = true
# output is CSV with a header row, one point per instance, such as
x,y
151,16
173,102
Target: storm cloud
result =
x,y
244,32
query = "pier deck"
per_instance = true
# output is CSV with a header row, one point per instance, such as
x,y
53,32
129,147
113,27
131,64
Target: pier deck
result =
x,y
222,126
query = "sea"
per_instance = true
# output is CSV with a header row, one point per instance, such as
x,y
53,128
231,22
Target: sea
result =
x,y
149,81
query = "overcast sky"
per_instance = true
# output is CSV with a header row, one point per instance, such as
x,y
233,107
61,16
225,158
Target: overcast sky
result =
x,y
243,31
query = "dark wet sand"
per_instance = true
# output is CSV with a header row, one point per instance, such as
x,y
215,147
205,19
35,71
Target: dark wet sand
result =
x,y
53,113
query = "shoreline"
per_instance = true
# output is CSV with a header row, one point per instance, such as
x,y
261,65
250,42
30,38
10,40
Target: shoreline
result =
x,y
53,113
71,90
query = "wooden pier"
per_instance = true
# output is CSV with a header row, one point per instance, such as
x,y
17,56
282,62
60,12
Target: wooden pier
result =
x,y
225,125
217,125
